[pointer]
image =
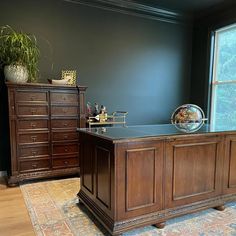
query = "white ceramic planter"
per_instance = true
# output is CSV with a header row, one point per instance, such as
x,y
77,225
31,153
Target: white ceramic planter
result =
x,y
16,74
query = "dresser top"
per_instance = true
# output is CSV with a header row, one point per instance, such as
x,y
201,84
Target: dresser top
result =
x,y
43,85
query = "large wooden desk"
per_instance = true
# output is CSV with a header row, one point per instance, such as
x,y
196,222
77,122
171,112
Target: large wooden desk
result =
x,y
144,175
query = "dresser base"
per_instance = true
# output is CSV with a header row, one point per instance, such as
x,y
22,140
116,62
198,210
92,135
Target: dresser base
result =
x,y
14,180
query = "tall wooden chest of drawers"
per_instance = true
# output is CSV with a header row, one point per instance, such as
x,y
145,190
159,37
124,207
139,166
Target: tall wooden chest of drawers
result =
x,y
43,119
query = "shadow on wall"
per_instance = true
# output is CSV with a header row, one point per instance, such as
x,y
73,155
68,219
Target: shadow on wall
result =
x,y
4,126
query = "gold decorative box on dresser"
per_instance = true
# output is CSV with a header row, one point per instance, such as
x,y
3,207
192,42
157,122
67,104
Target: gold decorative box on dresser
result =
x,y
43,119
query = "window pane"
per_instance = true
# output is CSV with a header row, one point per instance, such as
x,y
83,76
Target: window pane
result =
x,y
225,106
226,53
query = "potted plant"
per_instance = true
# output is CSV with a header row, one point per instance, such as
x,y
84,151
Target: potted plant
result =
x,y
19,55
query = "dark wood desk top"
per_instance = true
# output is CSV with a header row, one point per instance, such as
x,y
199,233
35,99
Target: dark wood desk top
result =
x,y
117,134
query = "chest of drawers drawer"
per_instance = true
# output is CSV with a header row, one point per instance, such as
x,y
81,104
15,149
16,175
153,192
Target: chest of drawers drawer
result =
x,y
64,111
65,148
30,138
31,96
64,123
65,162
32,110
59,97
34,165
35,151
32,124
63,136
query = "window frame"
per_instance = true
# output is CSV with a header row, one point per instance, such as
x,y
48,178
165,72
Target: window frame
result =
x,y
214,82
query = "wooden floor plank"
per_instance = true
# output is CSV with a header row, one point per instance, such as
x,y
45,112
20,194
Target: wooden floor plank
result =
x,y
14,218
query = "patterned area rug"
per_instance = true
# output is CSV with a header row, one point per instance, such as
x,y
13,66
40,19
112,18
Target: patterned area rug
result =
x,y
54,211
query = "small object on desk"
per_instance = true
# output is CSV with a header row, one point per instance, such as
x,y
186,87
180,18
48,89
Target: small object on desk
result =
x,y
188,118
103,114
96,117
96,112
117,118
89,109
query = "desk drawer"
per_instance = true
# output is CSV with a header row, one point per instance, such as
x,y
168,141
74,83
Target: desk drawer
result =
x,y
58,124
27,138
33,124
28,110
65,162
34,165
31,96
26,151
57,97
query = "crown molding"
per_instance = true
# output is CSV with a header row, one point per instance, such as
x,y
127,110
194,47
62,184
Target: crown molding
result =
x,y
137,9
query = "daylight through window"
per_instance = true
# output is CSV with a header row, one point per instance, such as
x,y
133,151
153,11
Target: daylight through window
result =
x,y
223,96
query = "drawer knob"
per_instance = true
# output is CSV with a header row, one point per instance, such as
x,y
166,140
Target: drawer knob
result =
x,y
33,111
66,149
34,138
65,162
34,165
64,110
65,136
34,153
65,124
33,125
32,98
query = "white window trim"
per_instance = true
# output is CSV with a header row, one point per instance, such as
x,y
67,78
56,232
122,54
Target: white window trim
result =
x,y
214,81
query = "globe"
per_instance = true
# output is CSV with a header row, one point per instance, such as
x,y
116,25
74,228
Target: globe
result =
x,y
188,118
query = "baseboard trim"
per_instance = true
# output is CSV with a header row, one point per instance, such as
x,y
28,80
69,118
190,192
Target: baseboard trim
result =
x,y
3,173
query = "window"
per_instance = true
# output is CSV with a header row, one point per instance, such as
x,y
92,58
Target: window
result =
x,y
223,94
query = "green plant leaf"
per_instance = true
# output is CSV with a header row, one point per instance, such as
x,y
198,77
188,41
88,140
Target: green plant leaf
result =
x,y
18,48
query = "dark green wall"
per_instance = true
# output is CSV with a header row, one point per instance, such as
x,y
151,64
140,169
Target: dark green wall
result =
x,y
128,63
200,60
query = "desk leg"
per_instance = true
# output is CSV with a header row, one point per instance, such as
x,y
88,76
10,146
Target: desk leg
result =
x,y
220,208
160,225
